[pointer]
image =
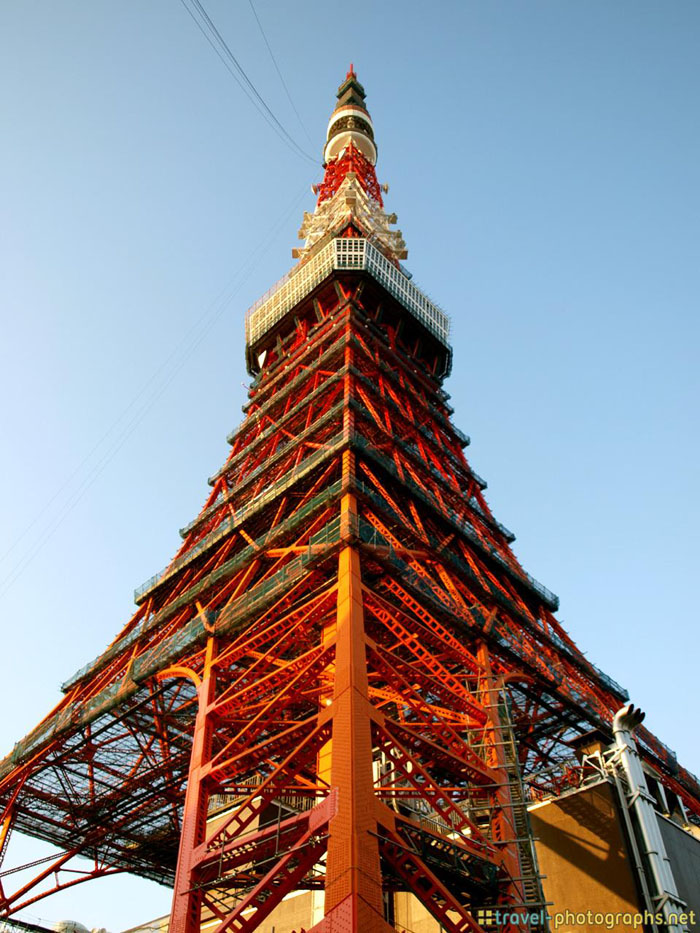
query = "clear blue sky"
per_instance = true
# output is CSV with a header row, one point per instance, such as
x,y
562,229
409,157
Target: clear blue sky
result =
x,y
543,158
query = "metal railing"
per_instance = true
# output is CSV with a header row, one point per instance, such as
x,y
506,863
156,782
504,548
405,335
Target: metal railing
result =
x,y
275,385
421,428
611,684
369,535
283,448
160,655
14,925
343,253
490,520
479,480
281,394
517,575
228,524
147,625
549,598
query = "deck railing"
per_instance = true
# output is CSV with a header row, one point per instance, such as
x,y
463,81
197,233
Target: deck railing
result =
x,y
343,253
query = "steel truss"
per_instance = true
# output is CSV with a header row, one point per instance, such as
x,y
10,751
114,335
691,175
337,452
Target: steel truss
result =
x,y
343,681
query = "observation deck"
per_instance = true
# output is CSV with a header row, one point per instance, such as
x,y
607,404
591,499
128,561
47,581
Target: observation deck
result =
x,y
344,254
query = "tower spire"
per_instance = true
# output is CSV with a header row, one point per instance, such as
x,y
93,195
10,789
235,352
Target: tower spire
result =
x,y
350,197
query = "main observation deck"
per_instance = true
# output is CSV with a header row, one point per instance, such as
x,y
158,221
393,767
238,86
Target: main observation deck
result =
x,y
345,254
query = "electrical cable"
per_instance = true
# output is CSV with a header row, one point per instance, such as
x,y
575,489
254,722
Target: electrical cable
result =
x,y
208,29
279,73
190,341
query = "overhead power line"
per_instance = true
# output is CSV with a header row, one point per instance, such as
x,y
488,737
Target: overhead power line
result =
x,y
279,73
206,26
134,413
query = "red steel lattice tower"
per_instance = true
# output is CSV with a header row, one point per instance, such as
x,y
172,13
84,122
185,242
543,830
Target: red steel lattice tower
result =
x,y
344,679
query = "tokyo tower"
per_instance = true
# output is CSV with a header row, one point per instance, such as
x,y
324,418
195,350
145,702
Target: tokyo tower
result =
x,y
343,702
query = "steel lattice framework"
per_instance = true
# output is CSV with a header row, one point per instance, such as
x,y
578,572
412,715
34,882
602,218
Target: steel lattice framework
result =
x,y
344,661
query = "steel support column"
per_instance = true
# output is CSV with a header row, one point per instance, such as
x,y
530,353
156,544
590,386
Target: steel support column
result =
x,y
187,902
353,877
506,830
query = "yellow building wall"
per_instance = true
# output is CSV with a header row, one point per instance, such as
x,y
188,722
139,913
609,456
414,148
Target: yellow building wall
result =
x,y
583,857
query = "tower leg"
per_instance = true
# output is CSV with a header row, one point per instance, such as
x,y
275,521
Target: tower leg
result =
x,y
353,877
5,831
509,830
185,915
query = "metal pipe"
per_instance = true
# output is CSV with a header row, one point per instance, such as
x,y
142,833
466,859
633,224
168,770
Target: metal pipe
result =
x,y
636,855
667,900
